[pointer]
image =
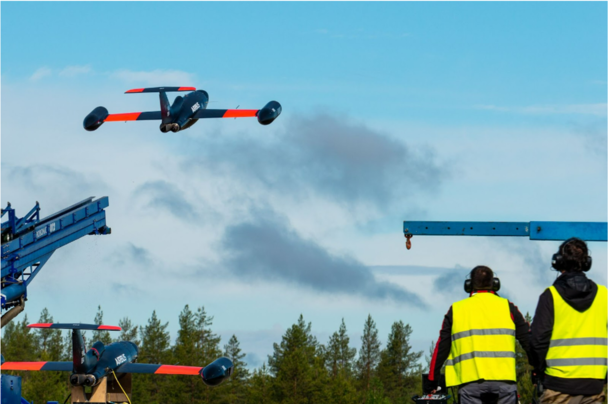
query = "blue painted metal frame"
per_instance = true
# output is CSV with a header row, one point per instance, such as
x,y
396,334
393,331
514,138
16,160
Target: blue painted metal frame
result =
x,y
32,241
589,231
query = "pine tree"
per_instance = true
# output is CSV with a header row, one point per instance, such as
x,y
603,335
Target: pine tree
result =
x,y
236,386
297,364
260,387
339,361
208,343
429,358
20,344
525,388
155,348
48,386
369,354
129,331
208,348
100,335
185,352
375,394
339,354
398,369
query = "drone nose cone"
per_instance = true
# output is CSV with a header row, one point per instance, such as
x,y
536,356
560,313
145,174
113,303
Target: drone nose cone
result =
x,y
269,113
95,119
217,371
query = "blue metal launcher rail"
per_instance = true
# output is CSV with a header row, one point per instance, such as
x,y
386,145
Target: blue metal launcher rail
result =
x,y
588,231
29,242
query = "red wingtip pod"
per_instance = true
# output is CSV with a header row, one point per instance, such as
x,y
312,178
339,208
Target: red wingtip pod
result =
x,y
269,113
217,371
95,119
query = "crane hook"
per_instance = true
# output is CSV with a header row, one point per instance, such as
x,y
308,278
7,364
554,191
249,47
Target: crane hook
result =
x,y
408,242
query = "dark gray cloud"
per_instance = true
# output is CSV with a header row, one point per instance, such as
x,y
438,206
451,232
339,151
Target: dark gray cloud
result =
x,y
537,262
594,135
451,280
326,156
167,197
266,248
55,186
451,283
408,270
129,254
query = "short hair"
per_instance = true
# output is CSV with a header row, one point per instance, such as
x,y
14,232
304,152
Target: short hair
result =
x,y
482,277
574,252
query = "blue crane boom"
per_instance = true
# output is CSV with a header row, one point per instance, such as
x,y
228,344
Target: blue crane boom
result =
x,y
29,242
588,231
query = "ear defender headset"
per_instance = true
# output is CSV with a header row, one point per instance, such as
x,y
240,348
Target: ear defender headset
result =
x,y
559,262
468,283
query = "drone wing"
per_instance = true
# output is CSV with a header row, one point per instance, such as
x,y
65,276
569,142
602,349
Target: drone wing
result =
x,y
226,113
134,116
75,326
52,366
159,369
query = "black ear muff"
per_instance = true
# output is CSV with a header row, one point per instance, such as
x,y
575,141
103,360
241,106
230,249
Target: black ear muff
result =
x,y
495,284
468,285
588,264
557,262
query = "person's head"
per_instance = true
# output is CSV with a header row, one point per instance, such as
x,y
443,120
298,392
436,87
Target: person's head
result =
x,y
482,278
572,256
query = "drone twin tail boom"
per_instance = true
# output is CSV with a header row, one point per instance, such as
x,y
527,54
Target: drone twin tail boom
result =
x,y
183,113
90,367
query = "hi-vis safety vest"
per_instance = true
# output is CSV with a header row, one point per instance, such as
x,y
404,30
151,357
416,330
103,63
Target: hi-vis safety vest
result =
x,y
578,342
483,341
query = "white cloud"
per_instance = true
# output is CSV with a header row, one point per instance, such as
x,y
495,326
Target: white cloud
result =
x,y
71,71
155,78
582,109
40,73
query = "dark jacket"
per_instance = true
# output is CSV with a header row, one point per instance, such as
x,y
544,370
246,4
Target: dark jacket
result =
x,y
444,343
579,292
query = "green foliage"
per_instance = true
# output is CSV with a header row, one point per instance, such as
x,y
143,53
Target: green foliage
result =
x,y
237,385
260,387
369,355
525,388
100,335
155,348
339,359
21,343
298,367
129,331
399,369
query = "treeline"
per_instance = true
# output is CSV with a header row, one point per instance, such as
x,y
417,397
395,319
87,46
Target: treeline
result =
x,y
299,370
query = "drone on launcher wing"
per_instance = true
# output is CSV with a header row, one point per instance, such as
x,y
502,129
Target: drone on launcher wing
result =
x,y
184,112
90,367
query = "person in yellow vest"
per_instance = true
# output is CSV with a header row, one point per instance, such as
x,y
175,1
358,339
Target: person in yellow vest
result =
x,y
477,343
568,339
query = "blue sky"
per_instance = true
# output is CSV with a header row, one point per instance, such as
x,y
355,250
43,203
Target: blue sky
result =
x,y
391,112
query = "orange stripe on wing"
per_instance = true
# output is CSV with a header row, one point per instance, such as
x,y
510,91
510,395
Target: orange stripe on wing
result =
x,y
136,90
240,113
177,370
132,116
40,325
22,365
109,327
186,89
